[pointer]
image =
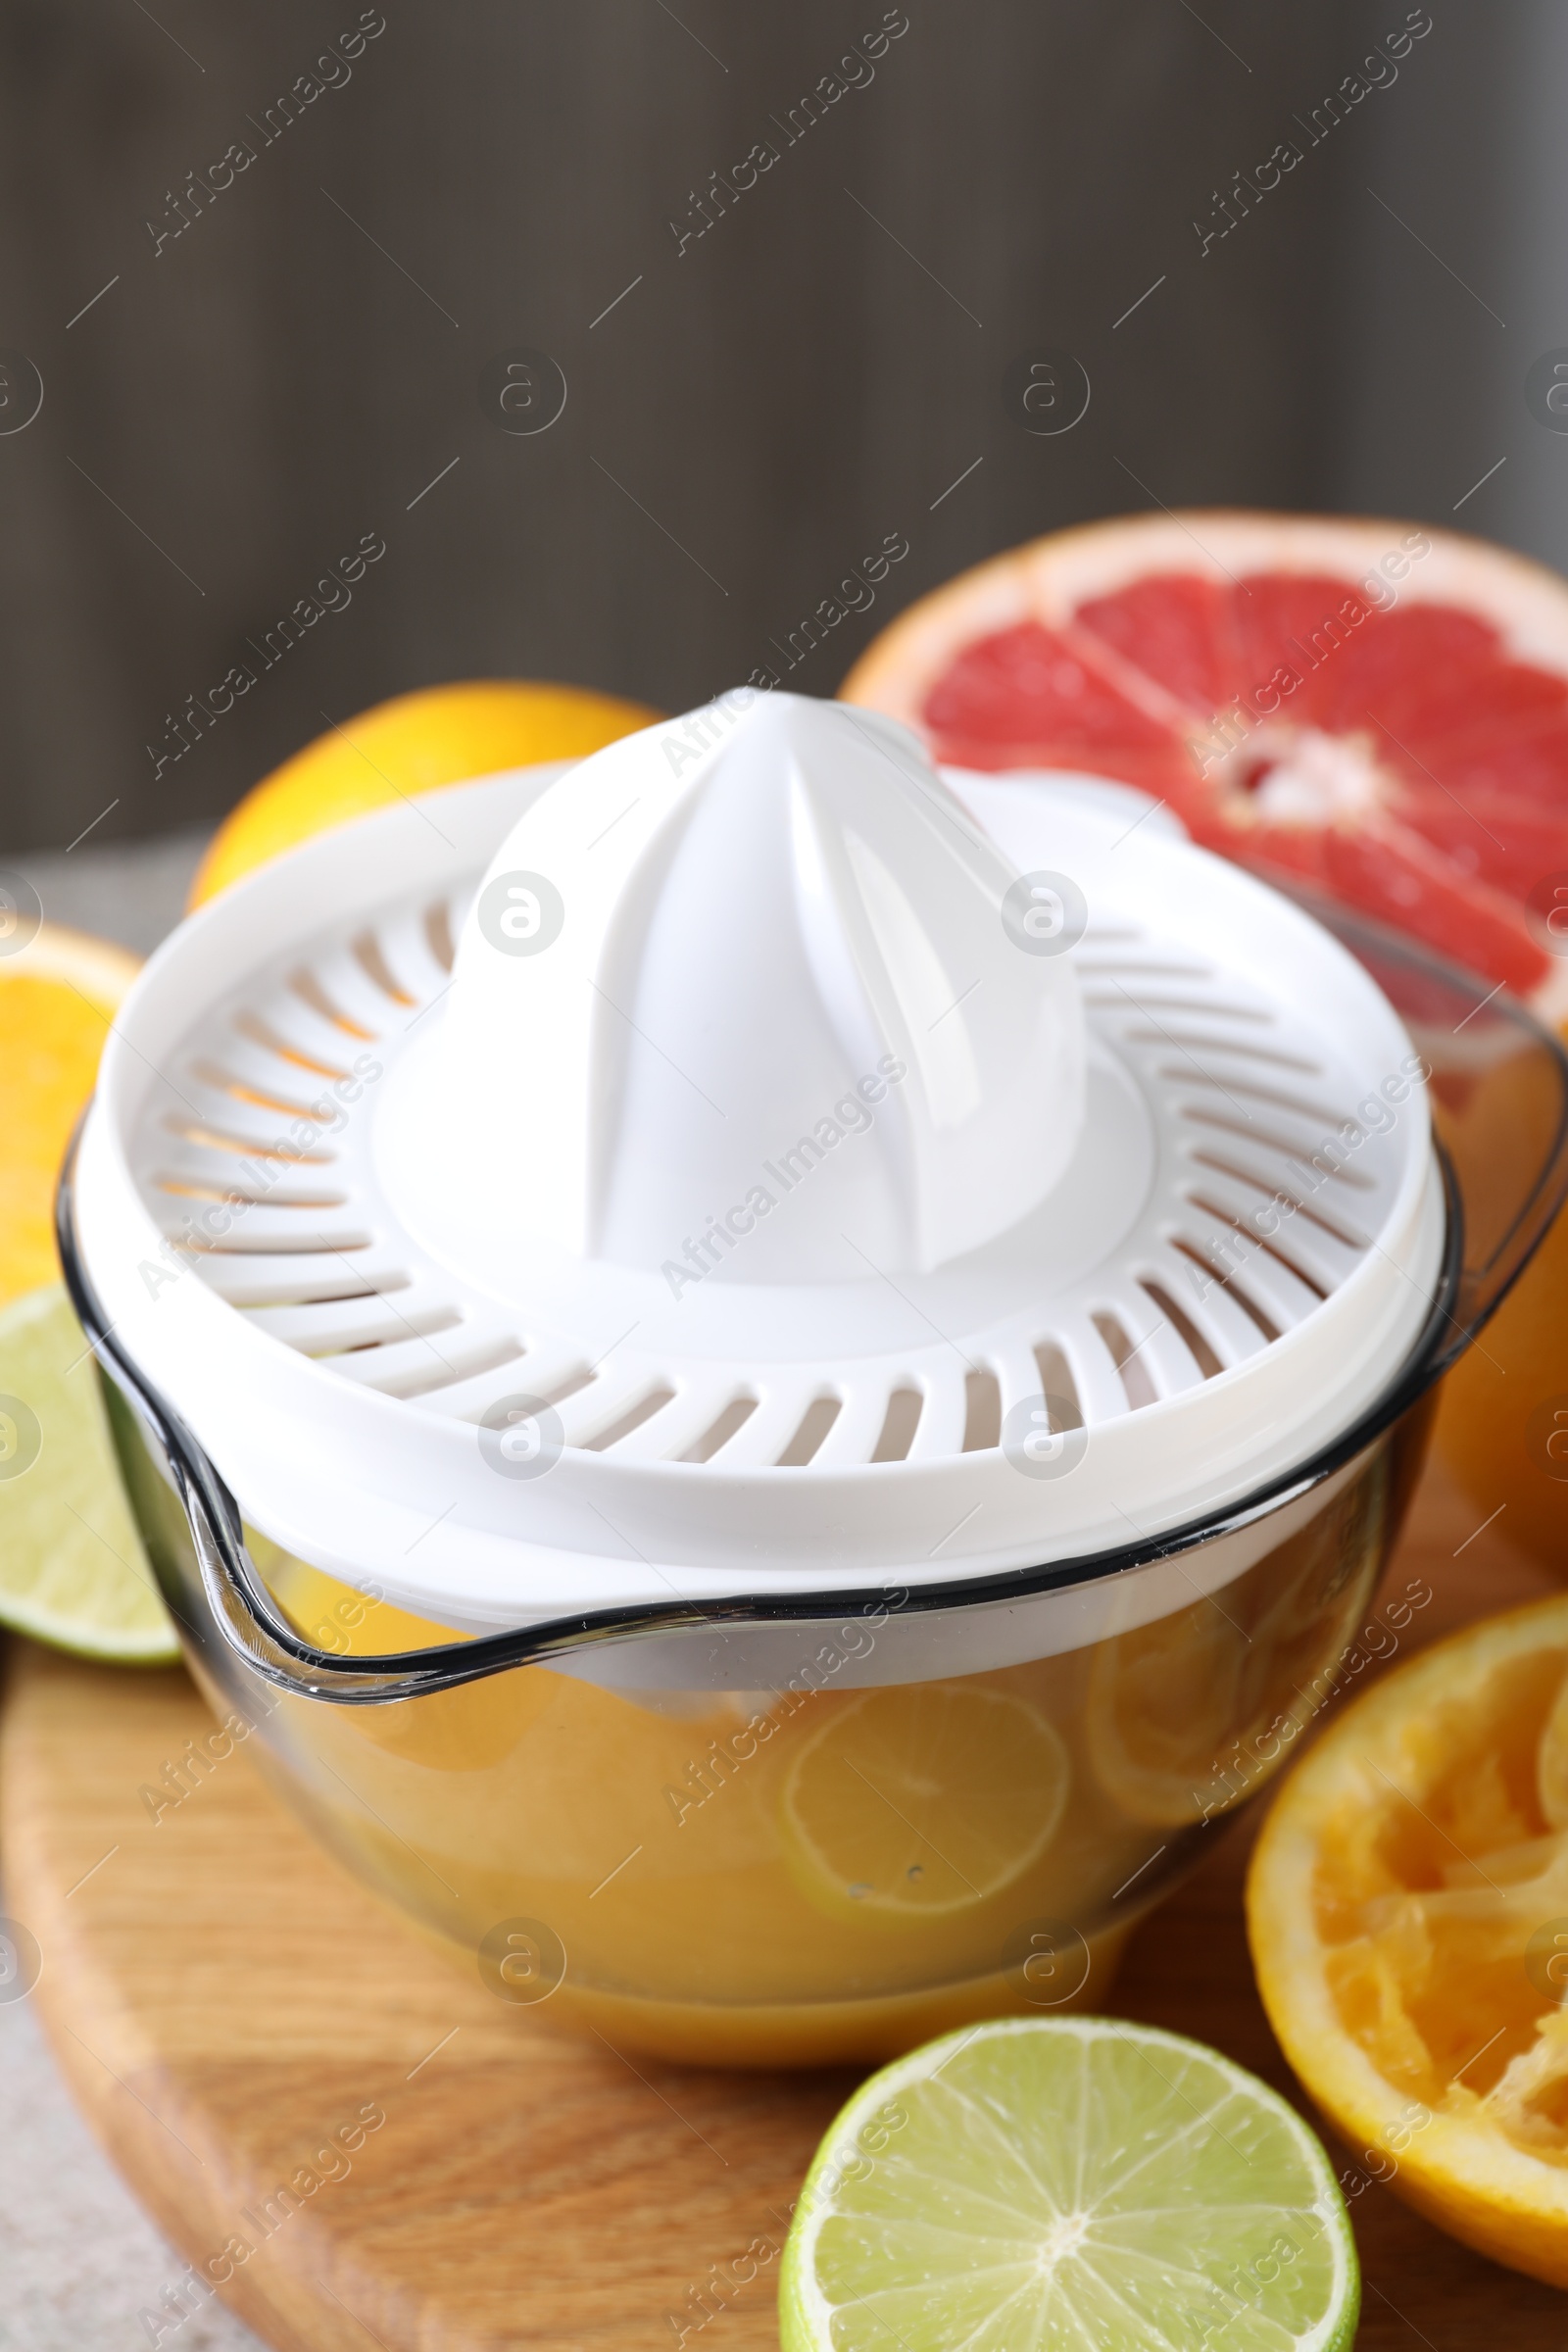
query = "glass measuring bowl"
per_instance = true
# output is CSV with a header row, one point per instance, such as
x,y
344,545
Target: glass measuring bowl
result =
x,y
775,1832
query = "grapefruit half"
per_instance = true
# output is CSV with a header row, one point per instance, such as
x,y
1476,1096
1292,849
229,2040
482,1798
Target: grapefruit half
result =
x,y
1375,709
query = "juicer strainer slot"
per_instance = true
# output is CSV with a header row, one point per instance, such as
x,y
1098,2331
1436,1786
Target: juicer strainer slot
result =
x,y
982,1422
721,1428
1057,1387
308,987
1224,1281
224,1082
476,1362
557,1391
438,933
1243,1048
1093,966
217,1141
327,1289
355,1335
192,1187
1301,1147
625,1424
367,950
1176,1315
1237,1224
810,1436
271,1245
899,1425
1337,1228
1136,1385
256,1030
1233,1085
1182,1005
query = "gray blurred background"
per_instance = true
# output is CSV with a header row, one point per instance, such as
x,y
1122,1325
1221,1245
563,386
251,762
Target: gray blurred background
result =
x,y
230,405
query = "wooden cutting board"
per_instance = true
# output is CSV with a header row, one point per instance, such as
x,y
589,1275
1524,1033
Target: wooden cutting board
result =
x,y
225,2002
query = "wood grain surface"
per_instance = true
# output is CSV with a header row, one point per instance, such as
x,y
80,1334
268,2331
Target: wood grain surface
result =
x,y
235,2014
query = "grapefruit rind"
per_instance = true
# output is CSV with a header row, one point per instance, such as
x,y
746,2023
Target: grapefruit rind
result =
x,y
1049,578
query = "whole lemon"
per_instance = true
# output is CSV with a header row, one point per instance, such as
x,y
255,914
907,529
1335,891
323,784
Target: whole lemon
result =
x,y
415,742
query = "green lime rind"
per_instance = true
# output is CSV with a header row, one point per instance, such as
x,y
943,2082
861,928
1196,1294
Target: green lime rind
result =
x,y
1064,2182
72,1571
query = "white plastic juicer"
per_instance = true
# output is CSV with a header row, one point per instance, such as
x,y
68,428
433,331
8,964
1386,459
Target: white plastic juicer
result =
x,y
598,1230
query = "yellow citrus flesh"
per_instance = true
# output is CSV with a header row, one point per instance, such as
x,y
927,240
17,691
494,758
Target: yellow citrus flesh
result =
x,y
982,1772
415,743
1162,1702
58,996
1185,1712
1407,1908
1503,1422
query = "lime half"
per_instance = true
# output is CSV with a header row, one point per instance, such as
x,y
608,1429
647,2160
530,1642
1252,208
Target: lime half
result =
x,y
72,1568
1067,2182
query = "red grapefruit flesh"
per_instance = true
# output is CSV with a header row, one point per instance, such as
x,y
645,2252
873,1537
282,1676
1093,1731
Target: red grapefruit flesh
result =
x,y
1375,709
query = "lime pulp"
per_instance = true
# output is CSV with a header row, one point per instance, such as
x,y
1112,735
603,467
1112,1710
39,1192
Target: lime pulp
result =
x,y
1064,2182
72,1571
